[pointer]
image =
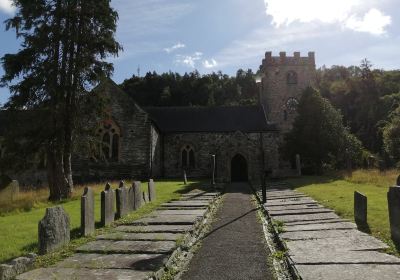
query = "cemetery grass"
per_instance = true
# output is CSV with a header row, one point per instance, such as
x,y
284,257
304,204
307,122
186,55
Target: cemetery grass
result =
x,y
337,192
19,228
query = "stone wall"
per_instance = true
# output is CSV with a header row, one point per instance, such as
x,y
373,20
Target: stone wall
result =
x,y
277,94
225,146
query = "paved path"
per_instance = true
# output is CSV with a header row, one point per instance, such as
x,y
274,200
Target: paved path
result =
x,y
134,251
234,249
324,246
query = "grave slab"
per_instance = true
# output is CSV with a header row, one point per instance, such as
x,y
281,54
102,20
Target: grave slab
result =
x,y
196,212
168,220
156,228
330,221
306,217
187,203
128,247
142,262
158,236
294,207
318,234
349,272
289,202
319,226
299,211
83,273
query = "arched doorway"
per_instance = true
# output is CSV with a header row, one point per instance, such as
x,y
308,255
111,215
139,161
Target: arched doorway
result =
x,y
239,171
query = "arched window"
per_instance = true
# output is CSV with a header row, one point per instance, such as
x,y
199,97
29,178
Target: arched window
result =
x,y
188,157
291,78
109,135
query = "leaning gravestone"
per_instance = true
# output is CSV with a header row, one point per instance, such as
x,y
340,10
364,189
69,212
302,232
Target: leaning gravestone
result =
x,y
137,195
87,212
122,200
360,208
107,206
185,177
393,197
54,230
152,190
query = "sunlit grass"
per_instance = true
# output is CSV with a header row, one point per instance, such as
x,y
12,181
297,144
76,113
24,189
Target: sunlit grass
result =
x,y
19,228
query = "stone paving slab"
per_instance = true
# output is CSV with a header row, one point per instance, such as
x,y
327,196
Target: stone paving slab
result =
x,y
168,220
349,272
156,228
295,207
150,236
299,211
337,257
307,217
319,226
83,273
318,234
186,203
330,221
195,212
128,247
344,244
290,202
142,262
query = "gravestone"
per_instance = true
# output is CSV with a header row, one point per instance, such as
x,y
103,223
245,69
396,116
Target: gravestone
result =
x,y
14,188
145,198
360,208
107,206
393,197
122,200
185,178
152,190
87,212
137,195
54,230
298,165
213,170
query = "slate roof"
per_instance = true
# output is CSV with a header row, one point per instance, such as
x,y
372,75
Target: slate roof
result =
x,y
210,119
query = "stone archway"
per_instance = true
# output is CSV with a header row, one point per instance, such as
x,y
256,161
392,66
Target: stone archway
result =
x,y
239,169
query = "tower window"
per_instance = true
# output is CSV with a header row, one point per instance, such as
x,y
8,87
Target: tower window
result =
x,y
291,78
188,157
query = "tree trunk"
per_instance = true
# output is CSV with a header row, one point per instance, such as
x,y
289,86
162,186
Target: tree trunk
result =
x,y
58,183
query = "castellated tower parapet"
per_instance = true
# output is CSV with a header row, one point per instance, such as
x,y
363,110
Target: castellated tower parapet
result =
x,y
284,80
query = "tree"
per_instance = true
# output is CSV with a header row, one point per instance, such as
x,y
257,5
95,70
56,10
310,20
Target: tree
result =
x,y
64,47
318,134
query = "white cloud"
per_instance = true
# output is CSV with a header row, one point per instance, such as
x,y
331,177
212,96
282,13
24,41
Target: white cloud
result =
x,y
7,6
210,63
175,47
189,60
342,12
374,22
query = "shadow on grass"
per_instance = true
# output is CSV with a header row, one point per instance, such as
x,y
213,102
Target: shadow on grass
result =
x,y
303,181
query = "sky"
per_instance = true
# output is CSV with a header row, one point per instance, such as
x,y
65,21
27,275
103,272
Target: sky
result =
x,y
225,35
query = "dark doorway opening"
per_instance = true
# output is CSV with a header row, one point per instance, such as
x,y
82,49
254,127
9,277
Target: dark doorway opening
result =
x,y
239,169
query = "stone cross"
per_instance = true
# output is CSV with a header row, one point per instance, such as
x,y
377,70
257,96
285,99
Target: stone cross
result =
x,y
151,190
393,197
360,208
122,200
185,182
54,230
107,206
298,165
137,195
87,212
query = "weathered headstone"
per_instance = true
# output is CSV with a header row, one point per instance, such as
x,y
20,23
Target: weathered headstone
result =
x,y
185,178
87,212
122,200
152,190
54,230
298,165
138,195
393,197
107,206
360,208
14,188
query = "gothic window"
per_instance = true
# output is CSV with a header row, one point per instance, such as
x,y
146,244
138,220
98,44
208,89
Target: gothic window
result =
x,y
292,104
291,78
188,157
109,135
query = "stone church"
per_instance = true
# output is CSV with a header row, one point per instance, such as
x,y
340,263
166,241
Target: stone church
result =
x,y
163,142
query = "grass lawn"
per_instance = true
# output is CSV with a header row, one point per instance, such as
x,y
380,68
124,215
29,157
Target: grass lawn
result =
x,y
337,193
19,228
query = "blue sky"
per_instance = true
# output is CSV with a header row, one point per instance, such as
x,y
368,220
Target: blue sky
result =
x,y
210,35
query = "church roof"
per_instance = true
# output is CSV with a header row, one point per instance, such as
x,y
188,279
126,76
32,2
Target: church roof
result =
x,y
210,119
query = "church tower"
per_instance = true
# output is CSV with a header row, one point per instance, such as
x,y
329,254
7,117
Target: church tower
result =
x,y
284,80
